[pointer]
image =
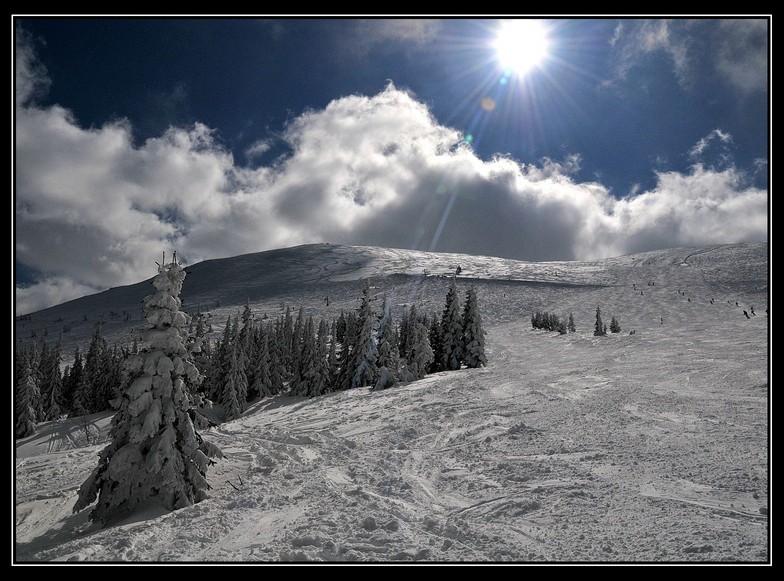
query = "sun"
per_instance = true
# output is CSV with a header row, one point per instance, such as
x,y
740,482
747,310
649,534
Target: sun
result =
x,y
521,45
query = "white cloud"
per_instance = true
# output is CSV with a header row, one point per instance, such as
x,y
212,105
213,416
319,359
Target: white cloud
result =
x,y
415,30
31,77
737,49
258,148
48,292
651,36
94,211
717,135
616,34
742,57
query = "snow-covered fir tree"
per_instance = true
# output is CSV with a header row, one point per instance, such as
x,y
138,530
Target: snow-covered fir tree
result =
x,y
599,328
437,344
322,373
242,364
388,355
306,360
230,398
155,452
473,332
615,326
33,358
332,358
298,339
52,387
24,414
219,365
361,367
403,334
262,380
452,330
419,354
235,383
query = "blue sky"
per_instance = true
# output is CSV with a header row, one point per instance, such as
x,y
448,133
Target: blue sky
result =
x,y
224,136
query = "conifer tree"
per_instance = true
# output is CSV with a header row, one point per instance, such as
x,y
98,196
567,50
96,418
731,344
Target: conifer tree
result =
x,y
74,377
277,369
615,326
321,374
403,333
473,332
452,330
361,367
310,381
24,414
155,452
419,354
388,354
599,327
52,388
332,358
437,344
570,325
262,381
234,387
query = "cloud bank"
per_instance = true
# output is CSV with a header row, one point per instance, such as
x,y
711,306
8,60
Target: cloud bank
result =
x,y
738,53
93,210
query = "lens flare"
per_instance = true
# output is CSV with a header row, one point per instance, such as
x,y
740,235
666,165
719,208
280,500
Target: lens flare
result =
x,y
521,45
487,103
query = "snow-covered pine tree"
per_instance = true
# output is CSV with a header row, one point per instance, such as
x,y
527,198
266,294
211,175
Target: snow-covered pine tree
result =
x,y
615,326
452,330
361,367
51,390
277,369
340,328
24,414
219,364
403,334
599,327
298,340
108,379
74,377
81,402
235,383
322,372
242,364
305,360
473,332
155,452
230,399
570,325
388,355
91,374
287,342
41,358
436,343
262,382
419,354
247,344
313,362
332,358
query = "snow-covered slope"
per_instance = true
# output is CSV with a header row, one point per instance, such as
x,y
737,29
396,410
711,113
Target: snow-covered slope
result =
x,y
643,447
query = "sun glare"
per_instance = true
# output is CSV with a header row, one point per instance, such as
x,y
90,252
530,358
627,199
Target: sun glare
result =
x,y
521,45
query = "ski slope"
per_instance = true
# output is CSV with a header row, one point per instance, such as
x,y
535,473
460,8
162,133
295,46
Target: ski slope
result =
x,y
651,447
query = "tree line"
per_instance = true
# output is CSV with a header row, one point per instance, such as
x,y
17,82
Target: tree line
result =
x,y
257,358
360,348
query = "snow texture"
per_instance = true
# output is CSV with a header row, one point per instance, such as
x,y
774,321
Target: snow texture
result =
x,y
651,447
